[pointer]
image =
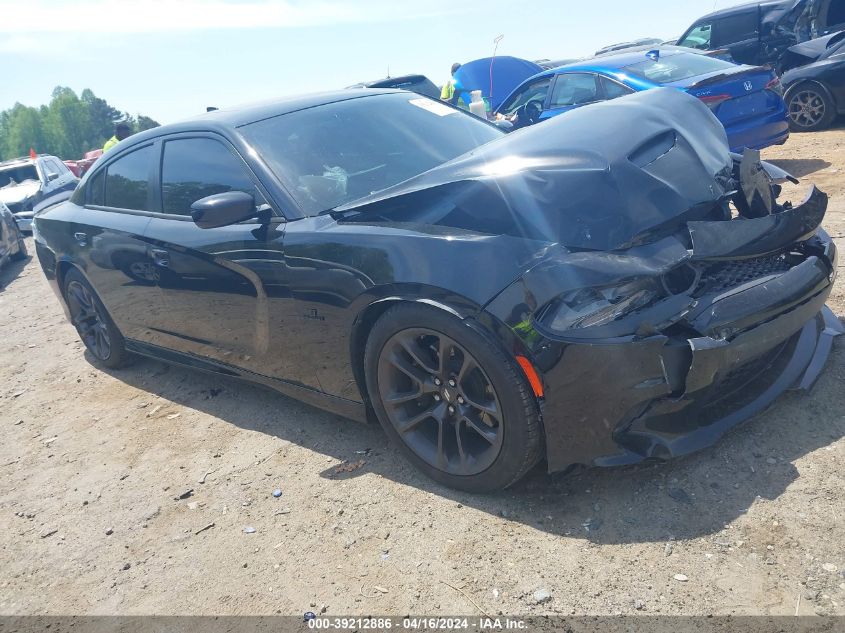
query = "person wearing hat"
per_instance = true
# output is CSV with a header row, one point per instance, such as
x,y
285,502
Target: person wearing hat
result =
x,y
121,131
453,92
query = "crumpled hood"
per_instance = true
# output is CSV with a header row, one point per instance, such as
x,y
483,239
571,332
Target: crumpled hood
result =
x,y
18,193
600,177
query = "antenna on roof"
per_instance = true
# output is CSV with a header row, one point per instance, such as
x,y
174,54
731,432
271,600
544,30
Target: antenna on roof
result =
x,y
493,59
388,71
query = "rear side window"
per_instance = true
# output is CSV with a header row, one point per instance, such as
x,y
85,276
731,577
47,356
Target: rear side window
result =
x,y
670,69
127,180
737,28
614,90
95,189
198,167
574,89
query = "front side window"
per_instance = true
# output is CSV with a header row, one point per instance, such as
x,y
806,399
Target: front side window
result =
x,y
536,91
574,89
699,37
737,28
11,176
194,168
127,180
335,153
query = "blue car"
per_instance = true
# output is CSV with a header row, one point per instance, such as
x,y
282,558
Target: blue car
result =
x,y
748,100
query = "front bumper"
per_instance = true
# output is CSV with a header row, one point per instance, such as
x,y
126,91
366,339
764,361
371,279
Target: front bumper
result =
x,y
616,399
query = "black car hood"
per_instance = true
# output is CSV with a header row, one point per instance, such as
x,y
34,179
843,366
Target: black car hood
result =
x,y
602,177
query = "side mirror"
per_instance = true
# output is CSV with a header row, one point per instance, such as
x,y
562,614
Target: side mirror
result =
x,y
505,126
51,176
223,209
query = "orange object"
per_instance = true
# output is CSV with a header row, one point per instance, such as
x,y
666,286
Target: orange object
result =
x,y
32,153
531,374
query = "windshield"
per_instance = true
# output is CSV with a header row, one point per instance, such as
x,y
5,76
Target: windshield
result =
x,y
667,70
339,152
11,176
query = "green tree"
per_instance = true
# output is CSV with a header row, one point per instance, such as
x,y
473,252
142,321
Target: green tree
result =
x,y
68,126
22,129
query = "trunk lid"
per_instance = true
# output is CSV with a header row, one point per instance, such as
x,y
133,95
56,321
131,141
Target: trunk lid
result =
x,y
744,93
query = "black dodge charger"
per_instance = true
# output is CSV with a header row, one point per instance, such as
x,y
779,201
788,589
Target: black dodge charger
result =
x,y
610,287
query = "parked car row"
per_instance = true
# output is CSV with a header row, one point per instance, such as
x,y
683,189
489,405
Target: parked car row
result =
x,y
747,100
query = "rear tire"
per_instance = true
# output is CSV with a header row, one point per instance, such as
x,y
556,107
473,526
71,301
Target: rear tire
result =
x,y
93,322
452,401
810,108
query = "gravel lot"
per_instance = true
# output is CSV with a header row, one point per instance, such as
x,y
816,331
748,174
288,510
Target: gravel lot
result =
x,y
93,466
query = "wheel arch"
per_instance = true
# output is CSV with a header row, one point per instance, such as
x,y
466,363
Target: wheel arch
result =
x,y
802,82
372,312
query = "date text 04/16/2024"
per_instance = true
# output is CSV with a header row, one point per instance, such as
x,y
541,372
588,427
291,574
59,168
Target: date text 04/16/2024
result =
x,y
413,623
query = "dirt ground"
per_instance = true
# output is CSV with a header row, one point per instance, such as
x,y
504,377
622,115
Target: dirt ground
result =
x,y
93,465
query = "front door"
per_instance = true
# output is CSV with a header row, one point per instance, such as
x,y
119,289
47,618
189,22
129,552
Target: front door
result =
x,y
216,285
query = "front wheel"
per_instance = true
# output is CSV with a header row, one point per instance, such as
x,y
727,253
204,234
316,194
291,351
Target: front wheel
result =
x,y
450,398
22,252
93,322
810,108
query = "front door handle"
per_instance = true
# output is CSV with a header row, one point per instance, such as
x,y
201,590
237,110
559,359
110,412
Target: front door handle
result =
x,y
81,238
160,257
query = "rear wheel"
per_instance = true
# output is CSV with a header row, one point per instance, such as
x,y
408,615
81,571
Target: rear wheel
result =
x,y
810,108
453,402
93,323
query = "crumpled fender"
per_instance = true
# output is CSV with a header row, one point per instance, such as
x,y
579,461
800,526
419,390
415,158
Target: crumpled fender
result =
x,y
758,237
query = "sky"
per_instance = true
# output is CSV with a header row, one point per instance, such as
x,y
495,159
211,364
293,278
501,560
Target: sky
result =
x,y
169,59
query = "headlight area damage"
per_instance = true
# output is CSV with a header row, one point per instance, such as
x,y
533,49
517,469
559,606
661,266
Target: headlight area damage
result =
x,y
656,350
671,295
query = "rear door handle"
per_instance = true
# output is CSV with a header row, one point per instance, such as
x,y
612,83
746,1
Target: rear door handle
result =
x,y
160,257
82,238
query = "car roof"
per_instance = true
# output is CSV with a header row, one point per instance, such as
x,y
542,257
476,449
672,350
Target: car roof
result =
x,y
742,8
237,116
615,62
387,80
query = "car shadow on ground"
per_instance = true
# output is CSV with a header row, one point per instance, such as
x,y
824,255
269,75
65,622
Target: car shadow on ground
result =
x,y
801,167
11,270
693,497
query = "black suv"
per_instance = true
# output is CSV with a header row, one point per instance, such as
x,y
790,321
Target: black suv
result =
x,y
30,184
760,32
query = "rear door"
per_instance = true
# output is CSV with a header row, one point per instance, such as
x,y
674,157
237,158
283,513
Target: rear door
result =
x,y
215,285
107,238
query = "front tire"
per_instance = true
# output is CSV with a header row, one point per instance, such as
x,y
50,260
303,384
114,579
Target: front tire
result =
x,y
22,252
453,402
810,108
93,322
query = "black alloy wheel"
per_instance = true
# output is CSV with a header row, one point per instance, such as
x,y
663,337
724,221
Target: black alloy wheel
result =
x,y
810,108
440,401
449,397
93,323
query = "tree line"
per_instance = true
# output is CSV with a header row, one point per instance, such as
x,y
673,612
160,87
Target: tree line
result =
x,y
67,127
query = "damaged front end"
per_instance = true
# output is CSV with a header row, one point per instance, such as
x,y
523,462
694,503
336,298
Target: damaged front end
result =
x,y
656,349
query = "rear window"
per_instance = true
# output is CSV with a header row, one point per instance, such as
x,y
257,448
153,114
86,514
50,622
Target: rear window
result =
x,y
667,70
